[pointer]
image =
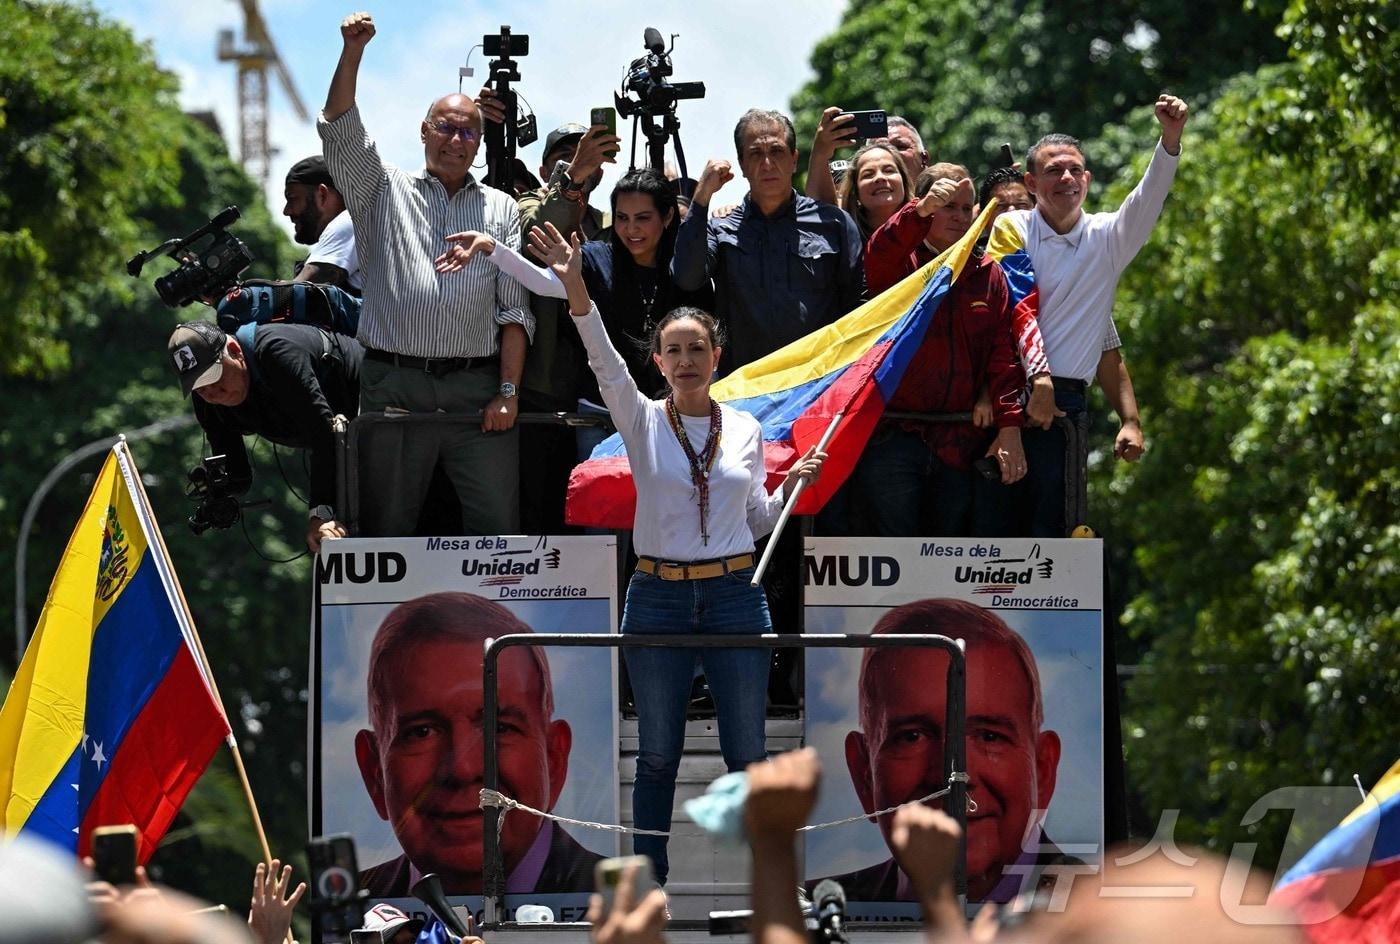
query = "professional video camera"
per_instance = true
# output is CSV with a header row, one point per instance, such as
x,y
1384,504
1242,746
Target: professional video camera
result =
x,y
210,486
655,98
203,273
646,78
517,130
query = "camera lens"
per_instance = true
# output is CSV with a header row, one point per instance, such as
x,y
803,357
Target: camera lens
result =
x,y
180,286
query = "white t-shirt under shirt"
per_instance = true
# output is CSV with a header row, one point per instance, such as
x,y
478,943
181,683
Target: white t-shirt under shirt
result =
x,y
337,247
667,524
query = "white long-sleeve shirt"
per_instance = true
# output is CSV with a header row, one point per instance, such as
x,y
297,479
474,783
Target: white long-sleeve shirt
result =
x,y
1076,273
540,281
667,524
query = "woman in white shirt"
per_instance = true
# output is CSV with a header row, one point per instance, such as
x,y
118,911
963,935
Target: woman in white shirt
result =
x,y
701,503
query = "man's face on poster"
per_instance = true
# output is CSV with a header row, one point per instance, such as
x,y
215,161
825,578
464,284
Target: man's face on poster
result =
x,y
899,757
424,770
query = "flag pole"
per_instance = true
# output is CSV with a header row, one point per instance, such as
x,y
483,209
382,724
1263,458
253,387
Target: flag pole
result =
x,y
145,499
790,504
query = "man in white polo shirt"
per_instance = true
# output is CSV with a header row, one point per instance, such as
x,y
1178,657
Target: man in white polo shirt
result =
x,y
1077,259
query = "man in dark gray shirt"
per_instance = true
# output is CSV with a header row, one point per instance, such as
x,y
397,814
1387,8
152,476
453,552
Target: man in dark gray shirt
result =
x,y
783,264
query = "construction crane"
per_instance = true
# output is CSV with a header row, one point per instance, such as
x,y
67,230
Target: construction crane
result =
x,y
254,58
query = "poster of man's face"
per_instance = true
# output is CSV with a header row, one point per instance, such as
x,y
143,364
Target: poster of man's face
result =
x,y
402,700
1033,723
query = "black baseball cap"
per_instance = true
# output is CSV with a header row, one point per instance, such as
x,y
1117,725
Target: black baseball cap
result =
x,y
310,170
196,352
563,133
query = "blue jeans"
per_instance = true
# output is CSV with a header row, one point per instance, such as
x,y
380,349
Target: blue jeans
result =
x,y
909,491
661,681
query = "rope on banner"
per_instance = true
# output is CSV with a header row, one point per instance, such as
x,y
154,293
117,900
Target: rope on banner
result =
x,y
494,798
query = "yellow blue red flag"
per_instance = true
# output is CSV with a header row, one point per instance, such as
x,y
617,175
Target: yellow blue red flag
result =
x,y
111,717
851,367
1347,888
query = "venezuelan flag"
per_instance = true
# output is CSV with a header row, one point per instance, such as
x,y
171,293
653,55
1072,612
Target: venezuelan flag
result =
x,y
1347,888
110,719
851,367
1007,246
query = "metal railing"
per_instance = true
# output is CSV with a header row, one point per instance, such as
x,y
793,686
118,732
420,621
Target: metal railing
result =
x,y
954,746
348,444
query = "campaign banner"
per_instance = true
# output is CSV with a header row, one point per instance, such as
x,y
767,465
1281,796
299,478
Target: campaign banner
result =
x,y
1030,614
397,754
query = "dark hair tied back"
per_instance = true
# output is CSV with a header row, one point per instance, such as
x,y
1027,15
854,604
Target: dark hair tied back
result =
x,y
707,322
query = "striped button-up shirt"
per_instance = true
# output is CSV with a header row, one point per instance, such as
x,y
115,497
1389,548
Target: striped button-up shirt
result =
x,y
401,225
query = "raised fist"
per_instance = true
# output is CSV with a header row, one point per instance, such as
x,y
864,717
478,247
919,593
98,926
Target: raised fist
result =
x,y
716,174
357,30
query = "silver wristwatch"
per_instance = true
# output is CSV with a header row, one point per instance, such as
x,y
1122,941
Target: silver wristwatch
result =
x,y
506,390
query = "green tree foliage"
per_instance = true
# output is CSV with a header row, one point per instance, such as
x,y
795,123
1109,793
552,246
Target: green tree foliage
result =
x,y
971,75
96,162
1348,56
1264,331
74,162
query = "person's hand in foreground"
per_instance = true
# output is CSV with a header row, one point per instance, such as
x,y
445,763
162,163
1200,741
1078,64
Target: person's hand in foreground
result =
x,y
270,914
630,921
925,843
782,794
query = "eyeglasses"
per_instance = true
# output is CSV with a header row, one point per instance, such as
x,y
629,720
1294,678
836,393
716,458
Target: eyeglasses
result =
x,y
451,131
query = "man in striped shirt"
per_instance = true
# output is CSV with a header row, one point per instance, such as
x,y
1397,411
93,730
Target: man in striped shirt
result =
x,y
435,342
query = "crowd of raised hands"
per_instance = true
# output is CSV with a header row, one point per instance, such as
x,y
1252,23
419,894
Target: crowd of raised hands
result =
x,y
782,793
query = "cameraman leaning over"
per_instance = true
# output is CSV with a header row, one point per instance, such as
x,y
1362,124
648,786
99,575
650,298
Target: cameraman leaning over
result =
x,y
286,386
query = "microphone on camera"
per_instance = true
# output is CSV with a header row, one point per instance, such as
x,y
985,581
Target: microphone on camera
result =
x,y
651,38
226,218
829,903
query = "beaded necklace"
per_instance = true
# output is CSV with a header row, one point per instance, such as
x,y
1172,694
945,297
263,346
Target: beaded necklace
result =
x,y
700,465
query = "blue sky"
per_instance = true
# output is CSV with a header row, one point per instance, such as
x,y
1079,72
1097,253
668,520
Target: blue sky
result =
x,y
748,54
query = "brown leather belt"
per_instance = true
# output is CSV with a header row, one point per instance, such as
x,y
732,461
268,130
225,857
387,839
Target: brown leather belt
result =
x,y
695,570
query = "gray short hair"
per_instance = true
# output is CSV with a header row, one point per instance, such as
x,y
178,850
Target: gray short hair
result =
x,y
955,619
898,121
451,615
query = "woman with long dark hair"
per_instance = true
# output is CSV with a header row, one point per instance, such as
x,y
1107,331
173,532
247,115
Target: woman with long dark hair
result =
x,y
702,500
